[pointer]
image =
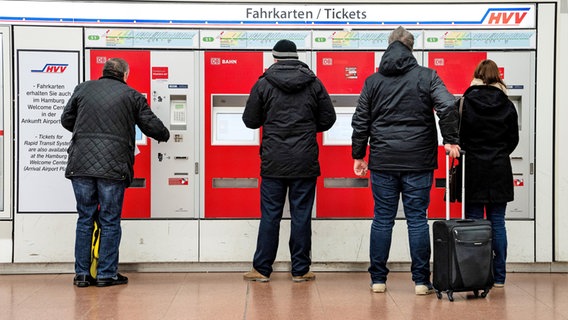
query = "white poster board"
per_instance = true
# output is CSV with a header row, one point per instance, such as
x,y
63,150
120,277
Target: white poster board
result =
x,y
46,80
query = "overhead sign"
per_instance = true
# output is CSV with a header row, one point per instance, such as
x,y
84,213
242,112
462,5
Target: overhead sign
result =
x,y
170,14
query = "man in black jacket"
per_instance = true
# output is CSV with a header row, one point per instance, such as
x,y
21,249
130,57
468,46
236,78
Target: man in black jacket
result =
x,y
292,105
102,115
395,115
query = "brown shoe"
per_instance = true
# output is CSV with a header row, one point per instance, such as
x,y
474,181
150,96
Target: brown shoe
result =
x,y
309,276
254,275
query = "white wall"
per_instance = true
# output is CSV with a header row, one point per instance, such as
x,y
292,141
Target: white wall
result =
x,y
561,136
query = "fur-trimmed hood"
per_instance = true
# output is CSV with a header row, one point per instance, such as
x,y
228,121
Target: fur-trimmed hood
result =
x,y
479,82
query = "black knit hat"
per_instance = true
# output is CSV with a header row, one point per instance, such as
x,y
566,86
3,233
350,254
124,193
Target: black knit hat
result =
x,y
284,49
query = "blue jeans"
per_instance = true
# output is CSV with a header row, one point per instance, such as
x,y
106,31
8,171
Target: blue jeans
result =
x,y
415,188
272,199
496,214
98,199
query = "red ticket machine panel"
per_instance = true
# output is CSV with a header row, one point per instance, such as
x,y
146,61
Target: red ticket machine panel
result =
x,y
456,70
137,196
232,161
341,194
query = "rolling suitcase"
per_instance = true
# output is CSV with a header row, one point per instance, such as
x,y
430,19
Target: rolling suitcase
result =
x,y
463,255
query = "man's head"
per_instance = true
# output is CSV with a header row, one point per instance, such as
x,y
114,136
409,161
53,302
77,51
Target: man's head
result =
x,y
402,35
116,67
284,49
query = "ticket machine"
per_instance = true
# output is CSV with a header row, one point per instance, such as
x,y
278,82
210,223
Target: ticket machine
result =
x,y
341,194
165,174
456,70
232,63
518,72
344,60
175,168
232,151
232,161
137,196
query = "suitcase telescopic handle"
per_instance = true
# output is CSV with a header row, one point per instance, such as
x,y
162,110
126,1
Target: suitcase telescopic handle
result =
x,y
462,153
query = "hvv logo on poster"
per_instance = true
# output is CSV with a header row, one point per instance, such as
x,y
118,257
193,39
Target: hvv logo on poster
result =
x,y
53,68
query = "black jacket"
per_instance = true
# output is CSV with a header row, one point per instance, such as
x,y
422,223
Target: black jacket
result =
x,y
395,114
292,105
102,115
489,134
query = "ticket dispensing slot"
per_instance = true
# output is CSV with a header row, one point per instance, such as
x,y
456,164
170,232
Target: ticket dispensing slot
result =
x,y
340,135
346,182
235,183
228,129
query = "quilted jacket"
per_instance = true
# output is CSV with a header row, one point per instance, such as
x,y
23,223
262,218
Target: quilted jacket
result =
x,y
292,105
102,115
395,114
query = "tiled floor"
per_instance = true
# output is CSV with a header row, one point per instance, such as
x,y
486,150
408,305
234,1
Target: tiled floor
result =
x,y
220,296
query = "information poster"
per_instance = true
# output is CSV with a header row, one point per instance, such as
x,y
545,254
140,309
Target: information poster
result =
x,y
46,80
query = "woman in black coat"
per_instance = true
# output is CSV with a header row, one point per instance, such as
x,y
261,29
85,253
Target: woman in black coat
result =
x,y
489,134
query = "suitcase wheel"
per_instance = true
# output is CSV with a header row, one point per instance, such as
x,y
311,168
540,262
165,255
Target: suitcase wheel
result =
x,y
438,294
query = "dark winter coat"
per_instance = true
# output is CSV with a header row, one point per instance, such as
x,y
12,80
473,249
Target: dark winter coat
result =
x,y
489,134
395,114
292,105
102,115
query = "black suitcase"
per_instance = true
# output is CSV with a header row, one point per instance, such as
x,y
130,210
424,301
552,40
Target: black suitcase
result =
x,y
463,254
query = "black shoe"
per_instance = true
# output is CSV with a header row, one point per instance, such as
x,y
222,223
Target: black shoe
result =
x,y
83,281
116,280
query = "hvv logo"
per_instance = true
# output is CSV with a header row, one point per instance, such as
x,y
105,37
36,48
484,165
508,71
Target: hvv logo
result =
x,y
53,68
498,16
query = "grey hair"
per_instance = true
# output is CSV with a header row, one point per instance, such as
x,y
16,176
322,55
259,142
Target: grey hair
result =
x,y
115,67
402,35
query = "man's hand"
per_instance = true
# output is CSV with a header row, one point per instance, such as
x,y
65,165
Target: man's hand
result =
x,y
453,150
360,167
